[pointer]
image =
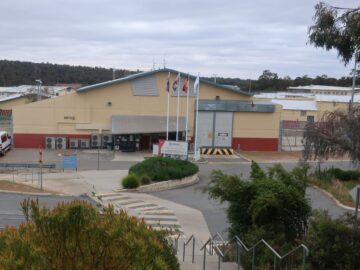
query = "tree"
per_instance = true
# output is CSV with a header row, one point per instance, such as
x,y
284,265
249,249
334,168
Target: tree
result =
x,y
333,243
336,134
76,236
273,203
336,28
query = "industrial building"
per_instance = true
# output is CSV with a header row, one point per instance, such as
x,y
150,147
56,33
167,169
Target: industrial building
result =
x,y
322,90
131,113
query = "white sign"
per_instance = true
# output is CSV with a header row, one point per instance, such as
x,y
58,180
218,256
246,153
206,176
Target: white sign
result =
x,y
155,149
173,148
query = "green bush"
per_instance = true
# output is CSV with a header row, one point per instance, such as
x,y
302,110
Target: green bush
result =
x,y
131,181
145,179
337,173
163,168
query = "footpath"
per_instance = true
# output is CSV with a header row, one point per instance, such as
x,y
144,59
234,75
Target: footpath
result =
x,y
156,212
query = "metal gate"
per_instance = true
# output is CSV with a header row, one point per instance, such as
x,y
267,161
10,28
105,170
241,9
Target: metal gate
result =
x,y
291,135
215,129
205,129
223,129
6,121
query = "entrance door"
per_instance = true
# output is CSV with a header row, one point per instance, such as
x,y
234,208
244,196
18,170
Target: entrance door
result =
x,y
223,129
144,142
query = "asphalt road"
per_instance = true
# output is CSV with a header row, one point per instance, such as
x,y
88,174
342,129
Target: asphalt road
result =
x,y
10,210
215,212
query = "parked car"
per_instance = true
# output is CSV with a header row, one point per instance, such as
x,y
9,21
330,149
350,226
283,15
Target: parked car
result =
x,y
5,142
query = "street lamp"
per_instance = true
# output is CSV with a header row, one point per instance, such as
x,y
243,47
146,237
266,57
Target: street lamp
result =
x,y
39,83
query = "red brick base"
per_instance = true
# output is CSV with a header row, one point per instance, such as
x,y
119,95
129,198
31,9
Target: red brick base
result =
x,y
255,144
25,140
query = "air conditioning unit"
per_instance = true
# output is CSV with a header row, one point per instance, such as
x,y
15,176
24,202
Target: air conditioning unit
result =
x,y
106,138
73,143
85,143
95,140
61,143
50,143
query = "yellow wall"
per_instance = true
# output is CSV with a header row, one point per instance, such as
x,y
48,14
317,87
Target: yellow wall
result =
x,y
10,104
89,111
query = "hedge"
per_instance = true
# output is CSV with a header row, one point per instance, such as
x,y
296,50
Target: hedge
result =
x,y
131,181
344,175
163,168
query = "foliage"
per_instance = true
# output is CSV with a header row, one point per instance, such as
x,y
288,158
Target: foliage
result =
x,y
345,175
131,181
337,134
16,73
333,244
336,28
145,179
275,205
76,236
164,168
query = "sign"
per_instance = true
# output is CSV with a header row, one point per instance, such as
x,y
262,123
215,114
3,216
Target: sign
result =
x,y
173,148
70,162
223,134
155,149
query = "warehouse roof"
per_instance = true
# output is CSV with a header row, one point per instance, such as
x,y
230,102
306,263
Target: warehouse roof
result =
x,y
321,87
316,97
302,105
147,73
7,98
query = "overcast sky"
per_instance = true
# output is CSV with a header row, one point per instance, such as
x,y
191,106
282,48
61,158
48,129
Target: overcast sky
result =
x,y
232,38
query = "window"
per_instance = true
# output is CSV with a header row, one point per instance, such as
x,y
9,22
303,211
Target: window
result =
x,y
310,119
302,113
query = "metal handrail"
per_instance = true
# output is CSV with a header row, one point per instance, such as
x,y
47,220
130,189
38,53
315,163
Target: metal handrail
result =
x,y
192,237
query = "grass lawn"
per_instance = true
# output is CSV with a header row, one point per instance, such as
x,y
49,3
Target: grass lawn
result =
x,y
12,186
339,189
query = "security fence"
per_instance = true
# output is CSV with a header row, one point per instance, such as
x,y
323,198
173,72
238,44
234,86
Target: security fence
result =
x,y
6,121
291,135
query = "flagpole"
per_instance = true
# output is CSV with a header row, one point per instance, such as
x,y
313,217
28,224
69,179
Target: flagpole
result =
x,y
196,153
168,108
177,110
187,110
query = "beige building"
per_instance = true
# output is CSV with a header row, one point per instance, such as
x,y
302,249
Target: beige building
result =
x,y
135,108
323,90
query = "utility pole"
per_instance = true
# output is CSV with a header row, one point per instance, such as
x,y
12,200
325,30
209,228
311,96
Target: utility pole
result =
x,y
354,80
114,70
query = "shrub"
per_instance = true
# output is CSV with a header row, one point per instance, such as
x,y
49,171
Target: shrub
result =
x,y
76,236
163,168
345,175
131,181
145,179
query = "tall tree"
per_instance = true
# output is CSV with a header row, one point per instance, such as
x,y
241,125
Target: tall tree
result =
x,y
336,28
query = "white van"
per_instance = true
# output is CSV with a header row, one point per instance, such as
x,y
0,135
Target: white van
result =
x,y
5,142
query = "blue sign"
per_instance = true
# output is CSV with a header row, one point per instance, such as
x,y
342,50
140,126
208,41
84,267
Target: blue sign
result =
x,y
70,162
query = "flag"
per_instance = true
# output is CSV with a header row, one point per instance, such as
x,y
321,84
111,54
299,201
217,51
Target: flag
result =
x,y
186,84
196,84
176,82
168,83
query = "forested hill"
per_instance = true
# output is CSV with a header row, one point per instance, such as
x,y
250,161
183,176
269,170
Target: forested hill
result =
x,y
14,73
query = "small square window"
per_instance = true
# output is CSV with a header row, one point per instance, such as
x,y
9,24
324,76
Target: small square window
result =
x,y
303,113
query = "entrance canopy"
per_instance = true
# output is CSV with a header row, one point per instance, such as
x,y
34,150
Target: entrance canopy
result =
x,y
139,124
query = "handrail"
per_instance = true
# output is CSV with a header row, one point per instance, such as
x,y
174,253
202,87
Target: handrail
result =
x,y
192,237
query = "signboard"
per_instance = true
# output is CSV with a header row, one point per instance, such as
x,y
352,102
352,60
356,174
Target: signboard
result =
x,y
70,162
173,148
155,149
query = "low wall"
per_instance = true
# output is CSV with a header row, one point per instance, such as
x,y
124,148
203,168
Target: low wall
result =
x,y
170,184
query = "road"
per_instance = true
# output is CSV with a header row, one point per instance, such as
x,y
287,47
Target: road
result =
x,y
10,210
215,213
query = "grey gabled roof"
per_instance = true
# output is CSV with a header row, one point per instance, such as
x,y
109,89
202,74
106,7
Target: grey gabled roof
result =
x,y
147,73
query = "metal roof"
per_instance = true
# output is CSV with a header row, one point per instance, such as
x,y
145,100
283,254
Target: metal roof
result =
x,y
236,106
147,73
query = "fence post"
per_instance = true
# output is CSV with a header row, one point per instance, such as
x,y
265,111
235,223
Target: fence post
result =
x,y
304,258
184,252
253,260
204,261
193,253
219,262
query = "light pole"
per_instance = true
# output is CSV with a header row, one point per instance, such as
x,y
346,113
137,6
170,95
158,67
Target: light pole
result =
x,y
39,84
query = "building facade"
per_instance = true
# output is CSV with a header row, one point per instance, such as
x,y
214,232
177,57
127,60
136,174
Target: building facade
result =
x,y
136,106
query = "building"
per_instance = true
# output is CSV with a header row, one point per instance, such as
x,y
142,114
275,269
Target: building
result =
x,y
134,108
322,90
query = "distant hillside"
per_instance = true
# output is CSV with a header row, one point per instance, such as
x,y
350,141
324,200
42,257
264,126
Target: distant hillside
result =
x,y
17,73
14,73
